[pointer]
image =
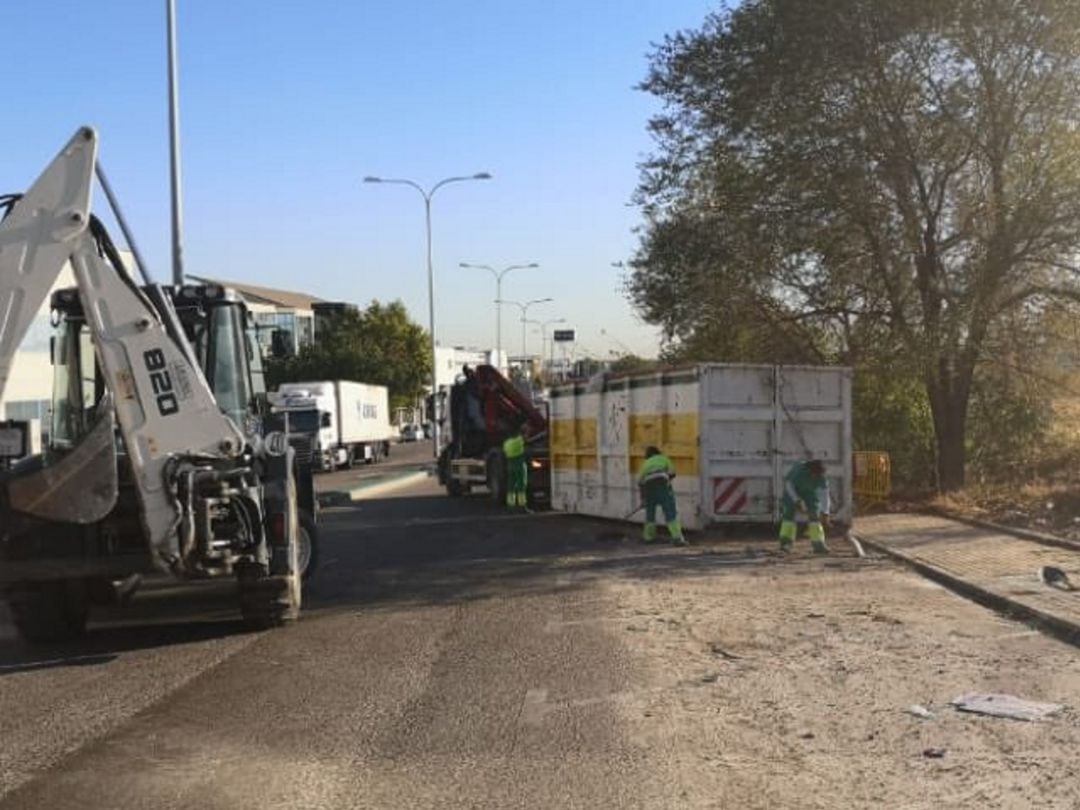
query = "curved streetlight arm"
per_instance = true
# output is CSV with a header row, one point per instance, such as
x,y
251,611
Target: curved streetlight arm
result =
x,y
429,193
399,182
441,183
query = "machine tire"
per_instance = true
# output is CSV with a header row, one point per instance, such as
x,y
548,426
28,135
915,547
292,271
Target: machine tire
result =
x,y
308,551
268,597
495,465
267,600
51,611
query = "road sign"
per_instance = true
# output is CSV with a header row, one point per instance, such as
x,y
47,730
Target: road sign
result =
x,y
563,336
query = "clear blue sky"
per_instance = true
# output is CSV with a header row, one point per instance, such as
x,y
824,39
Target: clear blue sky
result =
x,y
285,106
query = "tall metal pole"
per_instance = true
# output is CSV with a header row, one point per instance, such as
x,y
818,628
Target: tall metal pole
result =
x,y
174,149
431,330
427,195
498,322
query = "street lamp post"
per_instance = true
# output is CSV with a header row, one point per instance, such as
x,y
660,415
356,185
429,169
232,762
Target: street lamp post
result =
x,y
498,296
427,195
551,345
544,343
524,315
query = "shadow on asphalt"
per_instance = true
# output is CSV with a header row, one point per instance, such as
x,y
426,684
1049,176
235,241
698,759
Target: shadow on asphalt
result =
x,y
162,614
413,551
433,550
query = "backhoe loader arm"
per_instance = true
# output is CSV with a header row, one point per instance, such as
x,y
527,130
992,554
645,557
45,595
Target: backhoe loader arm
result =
x,y
165,409
37,237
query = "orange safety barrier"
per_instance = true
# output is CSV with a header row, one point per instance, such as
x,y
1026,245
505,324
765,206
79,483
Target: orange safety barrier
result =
x,y
872,482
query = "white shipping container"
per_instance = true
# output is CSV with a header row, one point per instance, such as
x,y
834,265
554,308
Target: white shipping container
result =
x,y
732,431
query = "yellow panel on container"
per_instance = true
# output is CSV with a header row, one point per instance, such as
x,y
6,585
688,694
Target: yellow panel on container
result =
x,y
675,434
573,444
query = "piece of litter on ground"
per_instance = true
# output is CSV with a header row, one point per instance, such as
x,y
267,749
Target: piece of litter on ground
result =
x,y
1006,706
710,677
806,735
933,753
716,649
915,710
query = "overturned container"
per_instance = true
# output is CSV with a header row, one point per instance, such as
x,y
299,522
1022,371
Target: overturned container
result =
x,y
732,432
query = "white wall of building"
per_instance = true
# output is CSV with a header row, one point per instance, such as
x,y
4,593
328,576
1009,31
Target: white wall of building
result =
x,y
450,359
29,388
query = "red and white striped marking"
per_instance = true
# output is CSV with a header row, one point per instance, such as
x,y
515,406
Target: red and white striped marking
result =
x,y
729,496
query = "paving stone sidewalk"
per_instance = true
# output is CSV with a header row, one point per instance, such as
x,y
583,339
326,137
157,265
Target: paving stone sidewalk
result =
x,y
993,567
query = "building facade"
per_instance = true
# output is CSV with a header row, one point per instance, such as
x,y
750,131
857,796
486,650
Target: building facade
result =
x,y
449,361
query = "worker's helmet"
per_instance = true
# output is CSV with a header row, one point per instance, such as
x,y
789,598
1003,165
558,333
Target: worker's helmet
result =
x,y
652,450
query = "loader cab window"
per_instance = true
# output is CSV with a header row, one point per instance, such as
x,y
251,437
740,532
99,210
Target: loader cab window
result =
x,y
255,359
227,356
77,387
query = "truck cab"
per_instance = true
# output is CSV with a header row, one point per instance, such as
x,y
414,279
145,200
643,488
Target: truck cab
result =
x,y
311,412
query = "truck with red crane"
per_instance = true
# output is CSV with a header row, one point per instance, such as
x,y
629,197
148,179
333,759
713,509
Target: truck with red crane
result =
x,y
483,410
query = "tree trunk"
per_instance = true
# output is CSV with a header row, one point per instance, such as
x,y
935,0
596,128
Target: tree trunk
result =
x,y
949,390
951,449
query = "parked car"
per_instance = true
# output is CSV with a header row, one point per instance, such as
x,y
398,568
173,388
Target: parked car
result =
x,y
411,433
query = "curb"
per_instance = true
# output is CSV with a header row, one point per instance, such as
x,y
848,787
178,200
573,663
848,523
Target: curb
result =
x,y
1024,534
378,486
1061,629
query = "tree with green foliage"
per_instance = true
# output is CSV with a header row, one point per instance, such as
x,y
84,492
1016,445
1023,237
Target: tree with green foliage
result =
x,y
380,345
632,364
860,180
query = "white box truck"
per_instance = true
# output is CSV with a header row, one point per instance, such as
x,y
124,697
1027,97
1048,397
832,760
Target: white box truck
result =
x,y
349,421
732,431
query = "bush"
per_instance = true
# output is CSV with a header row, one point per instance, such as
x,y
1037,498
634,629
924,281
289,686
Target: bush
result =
x,y
891,413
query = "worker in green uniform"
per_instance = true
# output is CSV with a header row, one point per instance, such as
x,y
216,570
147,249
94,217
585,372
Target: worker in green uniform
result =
x,y
654,483
807,485
516,469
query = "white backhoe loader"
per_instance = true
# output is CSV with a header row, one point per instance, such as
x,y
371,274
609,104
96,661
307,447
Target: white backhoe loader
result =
x,y
161,452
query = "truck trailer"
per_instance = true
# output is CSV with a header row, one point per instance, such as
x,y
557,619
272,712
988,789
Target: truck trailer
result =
x,y
349,422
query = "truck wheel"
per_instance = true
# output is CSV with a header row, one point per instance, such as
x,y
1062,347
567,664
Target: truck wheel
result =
x,y
496,477
50,611
307,551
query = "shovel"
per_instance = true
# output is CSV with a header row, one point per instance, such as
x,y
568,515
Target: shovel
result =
x,y
618,535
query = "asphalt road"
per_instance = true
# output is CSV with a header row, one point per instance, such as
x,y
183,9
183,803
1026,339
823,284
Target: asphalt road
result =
x,y
444,659
404,457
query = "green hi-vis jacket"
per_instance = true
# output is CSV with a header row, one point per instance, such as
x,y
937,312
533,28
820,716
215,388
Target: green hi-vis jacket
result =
x,y
514,447
801,485
656,470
